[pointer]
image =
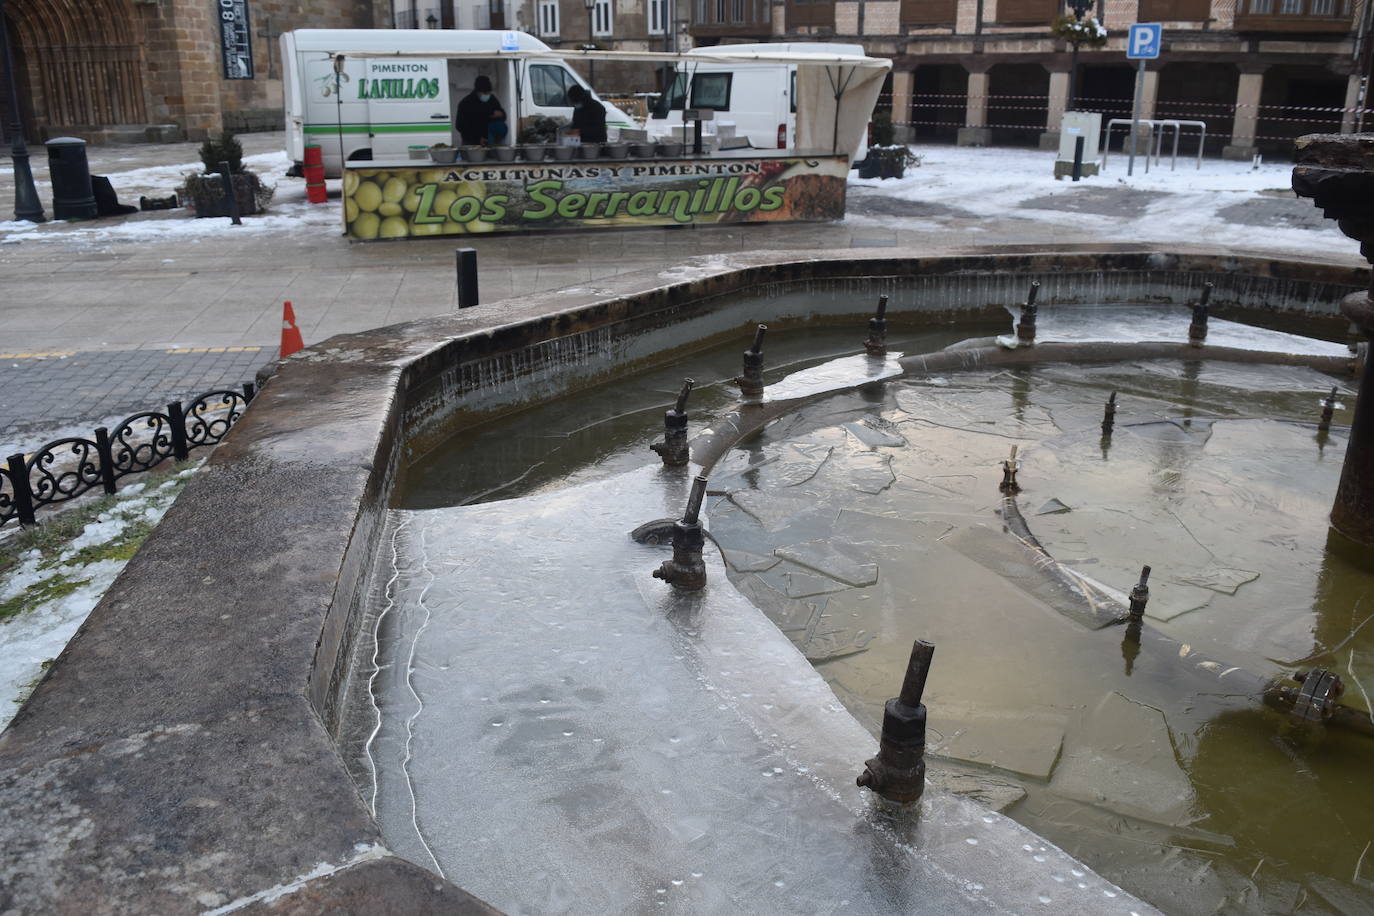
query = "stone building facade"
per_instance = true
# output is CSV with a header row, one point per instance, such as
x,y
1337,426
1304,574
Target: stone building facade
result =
x,y
1257,72
135,70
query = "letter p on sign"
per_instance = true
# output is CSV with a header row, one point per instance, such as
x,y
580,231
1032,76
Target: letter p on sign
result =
x,y
1143,40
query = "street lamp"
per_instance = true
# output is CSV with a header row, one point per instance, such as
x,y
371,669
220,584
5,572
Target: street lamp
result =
x,y
26,204
1080,9
591,68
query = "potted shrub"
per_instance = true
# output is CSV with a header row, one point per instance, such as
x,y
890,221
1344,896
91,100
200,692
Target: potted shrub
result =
x,y
886,158
206,191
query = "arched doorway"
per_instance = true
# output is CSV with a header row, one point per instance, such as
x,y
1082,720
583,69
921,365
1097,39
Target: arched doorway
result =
x,y
1017,103
78,65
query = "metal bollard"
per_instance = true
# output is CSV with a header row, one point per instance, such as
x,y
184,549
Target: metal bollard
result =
x,y
686,570
1109,415
876,344
898,772
1009,468
466,259
673,449
1197,328
751,382
1025,328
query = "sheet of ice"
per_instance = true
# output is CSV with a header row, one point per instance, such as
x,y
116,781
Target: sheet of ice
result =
x,y
837,373
561,733
1136,323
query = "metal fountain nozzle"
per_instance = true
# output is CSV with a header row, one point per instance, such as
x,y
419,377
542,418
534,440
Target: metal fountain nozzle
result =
x,y
751,382
1197,328
1025,328
876,344
898,772
1009,468
686,571
673,449
1140,595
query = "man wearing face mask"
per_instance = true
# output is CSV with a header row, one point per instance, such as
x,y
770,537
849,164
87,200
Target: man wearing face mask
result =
x,y
480,119
589,116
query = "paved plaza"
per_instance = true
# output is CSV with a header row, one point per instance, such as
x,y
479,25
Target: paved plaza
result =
x,y
110,316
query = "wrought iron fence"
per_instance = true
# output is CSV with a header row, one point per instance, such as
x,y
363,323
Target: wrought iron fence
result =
x,y
66,468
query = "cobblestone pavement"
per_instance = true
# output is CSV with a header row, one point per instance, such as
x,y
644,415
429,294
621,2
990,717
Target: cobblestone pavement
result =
x,y
43,395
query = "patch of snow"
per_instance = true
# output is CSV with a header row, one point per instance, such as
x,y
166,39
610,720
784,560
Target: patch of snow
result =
x,y
40,631
995,183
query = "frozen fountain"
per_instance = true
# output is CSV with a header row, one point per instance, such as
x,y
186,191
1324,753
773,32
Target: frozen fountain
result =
x,y
396,643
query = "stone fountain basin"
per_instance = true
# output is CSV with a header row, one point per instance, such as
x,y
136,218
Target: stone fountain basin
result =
x,y
179,756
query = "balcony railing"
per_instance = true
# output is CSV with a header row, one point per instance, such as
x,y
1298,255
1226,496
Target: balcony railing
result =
x,y
1294,16
730,18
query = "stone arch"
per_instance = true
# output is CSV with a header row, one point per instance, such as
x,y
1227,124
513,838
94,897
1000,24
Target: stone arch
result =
x,y
82,62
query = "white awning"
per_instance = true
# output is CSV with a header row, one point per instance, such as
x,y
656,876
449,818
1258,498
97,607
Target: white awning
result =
x,y
723,56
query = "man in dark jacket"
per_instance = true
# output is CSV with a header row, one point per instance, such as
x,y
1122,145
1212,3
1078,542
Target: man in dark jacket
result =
x,y
589,116
480,118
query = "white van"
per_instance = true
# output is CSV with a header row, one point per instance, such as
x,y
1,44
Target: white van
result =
x,y
760,99
377,107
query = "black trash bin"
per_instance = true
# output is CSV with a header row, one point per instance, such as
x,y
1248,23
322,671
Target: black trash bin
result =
x,y
72,196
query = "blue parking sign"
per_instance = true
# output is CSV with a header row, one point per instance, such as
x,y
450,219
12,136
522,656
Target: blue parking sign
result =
x,y
1143,40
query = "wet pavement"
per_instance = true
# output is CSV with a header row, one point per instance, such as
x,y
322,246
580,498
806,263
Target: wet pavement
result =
x,y
161,281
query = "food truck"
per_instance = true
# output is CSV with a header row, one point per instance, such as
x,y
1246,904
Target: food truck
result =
x,y
627,182
365,108
757,100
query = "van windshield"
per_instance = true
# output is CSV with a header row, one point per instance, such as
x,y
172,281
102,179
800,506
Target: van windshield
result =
x,y
674,99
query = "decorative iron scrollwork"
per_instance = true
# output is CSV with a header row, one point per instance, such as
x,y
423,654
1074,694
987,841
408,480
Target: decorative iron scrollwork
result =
x,y
205,424
8,507
129,455
66,468
63,470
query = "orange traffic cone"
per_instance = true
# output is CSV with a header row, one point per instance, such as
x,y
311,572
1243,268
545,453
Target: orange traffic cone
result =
x,y
290,334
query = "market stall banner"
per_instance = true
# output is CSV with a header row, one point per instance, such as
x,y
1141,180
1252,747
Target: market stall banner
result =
x,y
409,202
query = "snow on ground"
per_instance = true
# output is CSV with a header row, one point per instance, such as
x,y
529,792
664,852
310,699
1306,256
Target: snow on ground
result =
x,y
47,595
977,185
287,213
999,183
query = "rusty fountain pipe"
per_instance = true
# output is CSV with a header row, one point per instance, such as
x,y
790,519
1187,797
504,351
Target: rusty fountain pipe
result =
x,y
1197,328
1109,415
898,773
1025,328
751,382
673,449
876,344
1009,468
1329,407
686,571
